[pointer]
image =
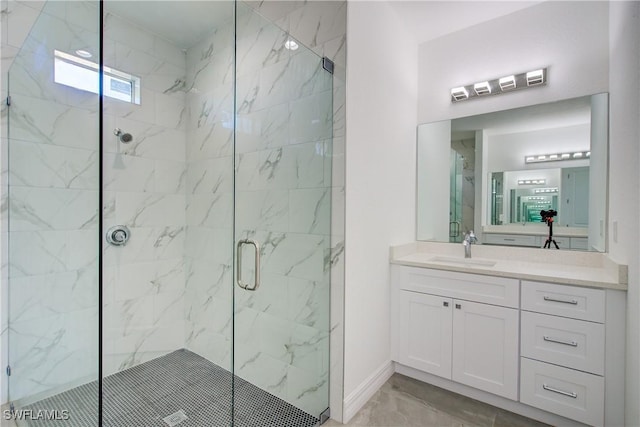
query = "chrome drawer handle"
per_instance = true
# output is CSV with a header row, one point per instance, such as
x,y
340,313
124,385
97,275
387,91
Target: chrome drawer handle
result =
x,y
509,240
572,302
560,341
562,392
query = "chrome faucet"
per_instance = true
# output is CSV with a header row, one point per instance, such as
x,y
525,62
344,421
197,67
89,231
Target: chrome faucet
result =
x,y
469,239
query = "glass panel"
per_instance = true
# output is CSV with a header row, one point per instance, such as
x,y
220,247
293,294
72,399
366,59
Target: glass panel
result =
x,y
283,187
53,235
168,292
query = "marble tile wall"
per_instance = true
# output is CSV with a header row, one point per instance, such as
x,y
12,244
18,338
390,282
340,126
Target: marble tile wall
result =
x,y
52,201
467,149
209,194
144,189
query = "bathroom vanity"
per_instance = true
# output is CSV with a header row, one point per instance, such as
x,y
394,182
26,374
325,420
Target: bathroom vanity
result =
x,y
540,333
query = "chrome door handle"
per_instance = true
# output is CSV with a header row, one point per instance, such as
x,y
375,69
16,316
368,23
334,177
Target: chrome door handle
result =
x,y
572,302
560,341
562,392
239,281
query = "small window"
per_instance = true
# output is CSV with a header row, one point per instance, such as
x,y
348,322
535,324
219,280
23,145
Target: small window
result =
x,y
81,74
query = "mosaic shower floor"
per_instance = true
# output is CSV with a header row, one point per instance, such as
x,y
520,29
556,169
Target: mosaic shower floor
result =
x,y
148,394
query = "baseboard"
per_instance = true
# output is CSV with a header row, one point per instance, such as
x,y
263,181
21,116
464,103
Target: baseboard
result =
x,y
361,395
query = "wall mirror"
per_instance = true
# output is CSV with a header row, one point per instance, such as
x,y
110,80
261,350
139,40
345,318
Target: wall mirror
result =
x,y
509,171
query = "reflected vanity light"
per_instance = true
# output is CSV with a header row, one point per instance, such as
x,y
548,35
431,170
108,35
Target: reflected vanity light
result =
x,y
574,155
500,85
545,190
83,53
532,181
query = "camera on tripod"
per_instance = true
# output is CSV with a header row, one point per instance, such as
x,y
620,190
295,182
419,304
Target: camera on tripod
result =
x,y
548,215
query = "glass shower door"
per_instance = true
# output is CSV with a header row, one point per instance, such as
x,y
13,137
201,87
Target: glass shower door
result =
x,y
53,230
283,143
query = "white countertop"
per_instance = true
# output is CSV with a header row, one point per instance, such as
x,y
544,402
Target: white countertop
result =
x,y
591,269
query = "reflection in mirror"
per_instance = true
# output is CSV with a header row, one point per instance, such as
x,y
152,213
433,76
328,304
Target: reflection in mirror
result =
x,y
506,167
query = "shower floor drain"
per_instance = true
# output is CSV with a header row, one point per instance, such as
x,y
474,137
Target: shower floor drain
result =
x,y
175,418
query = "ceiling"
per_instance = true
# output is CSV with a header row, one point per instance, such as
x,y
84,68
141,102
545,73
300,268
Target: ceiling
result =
x,y
427,20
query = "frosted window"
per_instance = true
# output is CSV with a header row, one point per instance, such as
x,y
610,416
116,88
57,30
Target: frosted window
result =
x,y
81,74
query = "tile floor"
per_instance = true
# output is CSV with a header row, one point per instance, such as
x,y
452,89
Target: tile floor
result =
x,y
404,402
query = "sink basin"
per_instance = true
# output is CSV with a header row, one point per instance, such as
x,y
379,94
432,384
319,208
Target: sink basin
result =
x,y
468,262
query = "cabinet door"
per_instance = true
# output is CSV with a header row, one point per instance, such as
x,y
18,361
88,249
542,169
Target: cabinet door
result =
x,y
425,333
485,347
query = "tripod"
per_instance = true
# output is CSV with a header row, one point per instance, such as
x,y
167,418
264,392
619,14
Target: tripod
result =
x,y
547,244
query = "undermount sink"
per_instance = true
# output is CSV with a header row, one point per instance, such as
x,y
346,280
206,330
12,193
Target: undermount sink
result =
x,y
468,262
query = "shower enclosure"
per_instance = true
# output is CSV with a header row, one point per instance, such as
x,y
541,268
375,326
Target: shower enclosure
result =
x,y
169,234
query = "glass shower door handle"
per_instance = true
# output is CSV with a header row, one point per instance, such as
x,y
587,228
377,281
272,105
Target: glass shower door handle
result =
x,y
239,281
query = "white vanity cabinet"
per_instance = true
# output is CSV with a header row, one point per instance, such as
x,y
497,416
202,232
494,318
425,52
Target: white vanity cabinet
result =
x,y
563,350
446,327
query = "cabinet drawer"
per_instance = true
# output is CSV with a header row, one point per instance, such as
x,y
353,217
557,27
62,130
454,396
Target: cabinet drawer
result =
x,y
561,300
511,239
471,287
571,343
566,392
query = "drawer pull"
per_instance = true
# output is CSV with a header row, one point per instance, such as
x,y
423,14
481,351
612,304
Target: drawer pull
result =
x,y
560,341
509,240
572,302
562,392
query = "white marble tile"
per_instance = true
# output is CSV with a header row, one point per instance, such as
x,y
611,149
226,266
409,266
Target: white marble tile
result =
x,y
50,33
263,210
123,31
33,297
311,118
259,130
308,303
48,122
170,176
149,210
34,209
44,350
318,22
171,111
164,242
210,176
123,172
144,112
210,210
22,18
210,244
307,391
295,255
135,280
310,211
266,372
169,52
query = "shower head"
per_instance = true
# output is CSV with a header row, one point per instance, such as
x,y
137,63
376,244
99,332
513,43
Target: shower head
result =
x,y
125,138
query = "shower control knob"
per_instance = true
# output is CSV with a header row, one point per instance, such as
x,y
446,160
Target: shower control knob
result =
x,y
118,235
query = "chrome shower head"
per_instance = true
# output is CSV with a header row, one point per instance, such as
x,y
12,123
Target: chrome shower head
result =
x,y
125,138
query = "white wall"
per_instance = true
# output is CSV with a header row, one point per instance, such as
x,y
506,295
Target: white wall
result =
x,y
568,37
380,180
624,137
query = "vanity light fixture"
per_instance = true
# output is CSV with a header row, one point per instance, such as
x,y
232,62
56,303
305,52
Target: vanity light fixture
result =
x,y
500,85
459,93
507,83
574,155
536,77
482,88
532,181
